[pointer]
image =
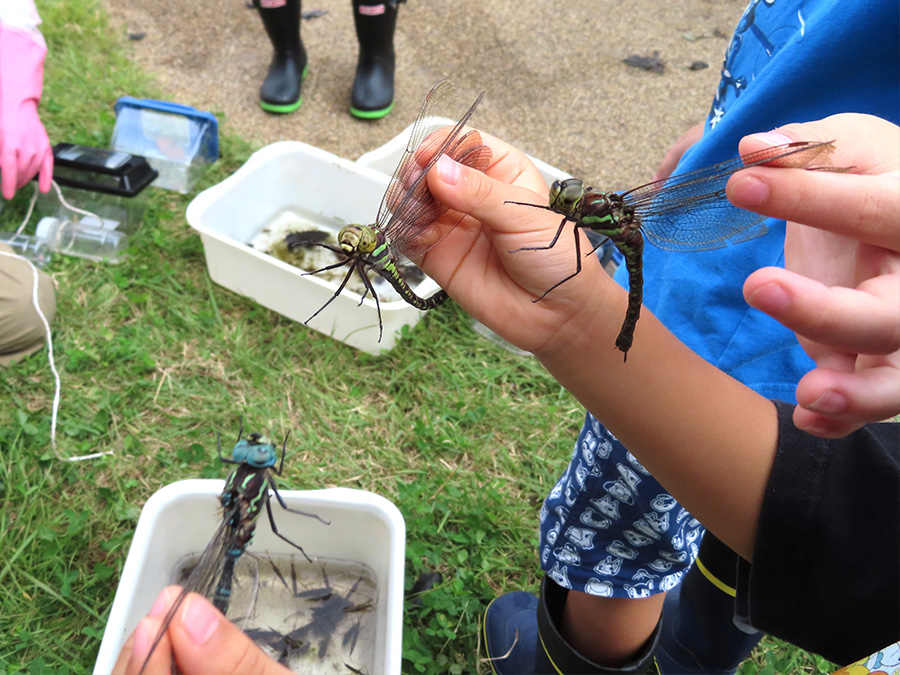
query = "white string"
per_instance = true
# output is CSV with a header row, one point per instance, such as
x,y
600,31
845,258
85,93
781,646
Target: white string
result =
x,y
30,209
62,200
58,384
75,208
37,307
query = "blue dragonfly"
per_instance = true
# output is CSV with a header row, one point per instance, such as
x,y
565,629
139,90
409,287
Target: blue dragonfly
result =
x,y
246,493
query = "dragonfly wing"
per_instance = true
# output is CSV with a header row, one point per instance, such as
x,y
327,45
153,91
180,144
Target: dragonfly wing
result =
x,y
690,212
711,225
408,208
202,579
432,116
413,229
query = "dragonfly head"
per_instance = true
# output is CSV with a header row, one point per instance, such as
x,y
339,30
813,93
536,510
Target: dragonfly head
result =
x,y
255,451
565,195
355,239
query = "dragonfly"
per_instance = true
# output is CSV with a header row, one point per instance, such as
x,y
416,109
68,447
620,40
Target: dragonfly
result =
x,y
243,498
403,227
685,212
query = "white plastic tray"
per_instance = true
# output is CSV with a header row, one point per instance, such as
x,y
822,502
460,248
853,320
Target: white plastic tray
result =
x,y
322,190
181,518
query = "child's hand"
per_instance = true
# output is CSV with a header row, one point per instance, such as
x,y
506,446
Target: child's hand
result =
x,y
840,291
475,266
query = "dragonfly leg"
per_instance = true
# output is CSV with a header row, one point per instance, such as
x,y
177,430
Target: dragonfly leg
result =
x,y
371,289
275,528
548,246
290,510
577,263
328,267
283,451
336,293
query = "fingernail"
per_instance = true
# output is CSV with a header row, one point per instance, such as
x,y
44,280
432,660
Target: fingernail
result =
x,y
773,138
748,191
200,620
829,403
448,170
771,298
159,607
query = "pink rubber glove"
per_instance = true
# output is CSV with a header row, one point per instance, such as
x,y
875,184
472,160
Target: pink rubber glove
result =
x,y
24,147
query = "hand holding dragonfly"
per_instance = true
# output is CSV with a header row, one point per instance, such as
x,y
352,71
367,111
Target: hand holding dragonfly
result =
x,y
474,264
840,291
199,636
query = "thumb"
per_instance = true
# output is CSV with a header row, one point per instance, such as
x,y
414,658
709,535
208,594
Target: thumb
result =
x,y
486,199
207,643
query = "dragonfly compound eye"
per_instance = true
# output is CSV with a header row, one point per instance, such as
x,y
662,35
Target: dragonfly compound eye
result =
x,y
566,195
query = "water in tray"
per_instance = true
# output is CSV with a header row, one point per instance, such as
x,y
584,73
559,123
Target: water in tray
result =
x,y
315,618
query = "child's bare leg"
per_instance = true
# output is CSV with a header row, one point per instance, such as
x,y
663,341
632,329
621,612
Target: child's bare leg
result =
x,y
610,631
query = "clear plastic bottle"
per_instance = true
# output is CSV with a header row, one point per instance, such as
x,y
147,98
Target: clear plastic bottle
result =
x,y
27,246
94,243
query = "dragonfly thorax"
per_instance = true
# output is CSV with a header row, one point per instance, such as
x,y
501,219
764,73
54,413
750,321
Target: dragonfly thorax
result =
x,y
357,239
565,196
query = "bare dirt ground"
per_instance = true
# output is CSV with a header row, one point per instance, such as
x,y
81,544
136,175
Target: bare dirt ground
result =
x,y
554,75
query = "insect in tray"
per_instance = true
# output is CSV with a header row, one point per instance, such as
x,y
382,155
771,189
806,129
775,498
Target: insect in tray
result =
x,y
245,495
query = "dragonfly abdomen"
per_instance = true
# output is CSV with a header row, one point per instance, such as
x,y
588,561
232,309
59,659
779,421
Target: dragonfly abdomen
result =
x,y
388,270
632,247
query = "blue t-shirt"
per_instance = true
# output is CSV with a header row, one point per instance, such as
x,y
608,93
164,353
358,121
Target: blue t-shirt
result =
x,y
788,61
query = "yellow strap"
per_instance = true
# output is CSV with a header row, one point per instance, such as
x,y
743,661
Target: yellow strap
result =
x,y
715,581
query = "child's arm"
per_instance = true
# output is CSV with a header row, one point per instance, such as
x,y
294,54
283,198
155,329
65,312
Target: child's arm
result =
x,y
707,438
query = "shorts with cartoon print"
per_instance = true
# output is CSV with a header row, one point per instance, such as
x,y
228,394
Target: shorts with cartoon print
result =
x,y
609,528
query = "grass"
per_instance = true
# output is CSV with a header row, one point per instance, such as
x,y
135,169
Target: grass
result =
x,y
464,437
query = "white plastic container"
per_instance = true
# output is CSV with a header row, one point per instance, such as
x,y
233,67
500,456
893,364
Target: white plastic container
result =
x,y
296,180
386,157
181,518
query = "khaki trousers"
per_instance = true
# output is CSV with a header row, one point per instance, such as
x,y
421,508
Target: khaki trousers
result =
x,y
21,329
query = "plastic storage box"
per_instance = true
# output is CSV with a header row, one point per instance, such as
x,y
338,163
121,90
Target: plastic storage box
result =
x,y
109,185
181,518
179,141
293,180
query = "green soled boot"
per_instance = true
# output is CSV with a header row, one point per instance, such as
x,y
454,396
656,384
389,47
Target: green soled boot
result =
x,y
372,96
522,638
280,92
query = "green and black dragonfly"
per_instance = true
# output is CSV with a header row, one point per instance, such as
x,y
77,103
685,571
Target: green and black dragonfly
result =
x,y
245,495
685,212
403,227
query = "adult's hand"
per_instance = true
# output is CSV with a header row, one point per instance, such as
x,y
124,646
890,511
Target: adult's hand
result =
x,y
840,291
199,638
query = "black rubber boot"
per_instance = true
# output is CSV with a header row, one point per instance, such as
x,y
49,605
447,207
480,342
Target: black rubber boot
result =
x,y
699,633
280,92
372,96
522,638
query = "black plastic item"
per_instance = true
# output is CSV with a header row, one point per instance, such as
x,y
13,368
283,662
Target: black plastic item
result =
x,y
100,170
